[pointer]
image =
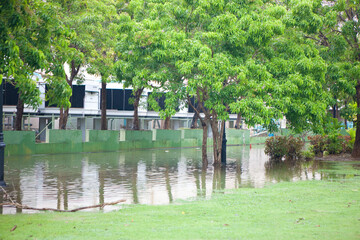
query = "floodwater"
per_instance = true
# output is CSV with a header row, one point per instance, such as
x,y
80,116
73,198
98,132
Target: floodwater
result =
x,y
162,176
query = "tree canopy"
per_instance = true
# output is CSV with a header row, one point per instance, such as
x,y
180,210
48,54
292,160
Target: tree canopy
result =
x,y
334,27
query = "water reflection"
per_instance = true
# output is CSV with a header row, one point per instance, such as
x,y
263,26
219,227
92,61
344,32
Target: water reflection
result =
x,y
146,177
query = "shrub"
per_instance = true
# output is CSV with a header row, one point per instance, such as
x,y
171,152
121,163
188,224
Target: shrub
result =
x,y
280,146
294,147
275,147
318,142
308,154
333,143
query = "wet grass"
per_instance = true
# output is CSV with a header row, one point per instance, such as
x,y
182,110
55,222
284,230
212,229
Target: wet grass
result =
x,y
328,209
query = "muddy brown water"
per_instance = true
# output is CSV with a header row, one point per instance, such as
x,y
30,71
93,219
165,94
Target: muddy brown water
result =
x,y
156,177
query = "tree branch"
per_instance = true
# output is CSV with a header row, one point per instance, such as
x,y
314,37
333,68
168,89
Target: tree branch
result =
x,y
341,18
313,38
20,206
196,110
12,203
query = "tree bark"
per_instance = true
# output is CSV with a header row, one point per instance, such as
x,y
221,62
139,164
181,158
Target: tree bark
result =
x,y
204,145
194,121
195,118
103,106
238,121
136,122
216,142
356,150
19,114
345,121
166,124
204,127
64,114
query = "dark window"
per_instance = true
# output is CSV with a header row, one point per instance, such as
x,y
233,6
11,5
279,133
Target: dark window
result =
x,y
78,95
76,99
109,99
160,99
11,94
118,99
190,109
127,105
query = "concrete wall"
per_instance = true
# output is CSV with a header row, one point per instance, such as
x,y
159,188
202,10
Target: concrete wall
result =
x,y
237,136
71,141
19,142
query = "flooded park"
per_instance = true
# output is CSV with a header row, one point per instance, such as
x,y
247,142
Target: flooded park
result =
x,y
152,177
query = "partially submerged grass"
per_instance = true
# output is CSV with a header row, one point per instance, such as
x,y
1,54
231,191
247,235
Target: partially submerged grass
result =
x,y
299,210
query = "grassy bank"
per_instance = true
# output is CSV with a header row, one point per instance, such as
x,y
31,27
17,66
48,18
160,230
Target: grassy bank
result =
x,y
300,210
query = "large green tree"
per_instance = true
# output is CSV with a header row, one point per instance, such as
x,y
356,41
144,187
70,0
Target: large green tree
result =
x,y
102,57
142,50
236,58
334,27
79,21
25,39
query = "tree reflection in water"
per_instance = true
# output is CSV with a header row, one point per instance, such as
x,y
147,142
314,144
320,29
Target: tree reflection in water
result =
x,y
145,177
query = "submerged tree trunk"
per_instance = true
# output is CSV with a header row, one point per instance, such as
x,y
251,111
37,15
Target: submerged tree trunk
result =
x,y
136,122
204,145
217,140
205,136
356,150
238,121
103,106
19,114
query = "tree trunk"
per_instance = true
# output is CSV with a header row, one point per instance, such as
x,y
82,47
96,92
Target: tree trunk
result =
x,y
195,117
103,106
205,136
166,123
64,114
223,143
194,121
356,150
345,121
216,142
136,122
19,114
204,145
238,121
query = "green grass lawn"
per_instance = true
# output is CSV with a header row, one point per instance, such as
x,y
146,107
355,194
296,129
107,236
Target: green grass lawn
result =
x,y
300,210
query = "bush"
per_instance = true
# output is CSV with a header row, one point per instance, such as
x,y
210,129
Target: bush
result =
x,y
294,147
275,147
333,143
308,154
318,143
280,146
